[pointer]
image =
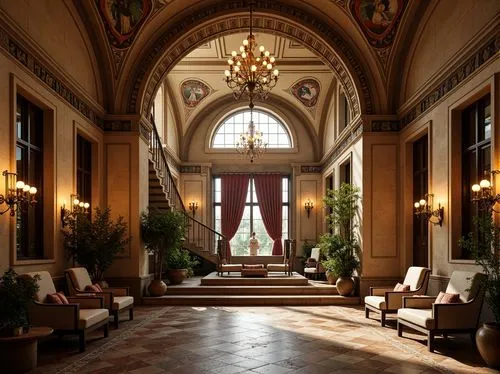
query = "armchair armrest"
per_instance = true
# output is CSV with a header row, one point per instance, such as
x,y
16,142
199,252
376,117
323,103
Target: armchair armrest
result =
x,y
380,291
88,302
118,291
56,316
394,299
456,315
418,302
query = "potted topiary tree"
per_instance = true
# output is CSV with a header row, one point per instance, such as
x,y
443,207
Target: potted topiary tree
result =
x,y
484,247
161,232
341,247
179,265
15,295
94,243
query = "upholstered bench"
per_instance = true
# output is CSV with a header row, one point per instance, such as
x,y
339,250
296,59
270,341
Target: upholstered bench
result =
x,y
253,270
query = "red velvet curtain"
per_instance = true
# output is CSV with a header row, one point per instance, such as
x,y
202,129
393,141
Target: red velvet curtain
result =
x,y
269,194
234,190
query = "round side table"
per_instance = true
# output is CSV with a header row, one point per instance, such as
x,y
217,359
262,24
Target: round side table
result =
x,y
19,353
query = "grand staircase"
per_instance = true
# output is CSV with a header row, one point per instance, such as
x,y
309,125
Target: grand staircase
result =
x,y
163,194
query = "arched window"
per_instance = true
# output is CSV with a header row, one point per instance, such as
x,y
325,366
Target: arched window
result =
x,y
274,132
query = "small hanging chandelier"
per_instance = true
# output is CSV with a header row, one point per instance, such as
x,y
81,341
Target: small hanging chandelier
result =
x,y
250,73
251,144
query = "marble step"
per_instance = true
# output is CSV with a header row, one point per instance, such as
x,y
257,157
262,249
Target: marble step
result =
x,y
250,300
251,290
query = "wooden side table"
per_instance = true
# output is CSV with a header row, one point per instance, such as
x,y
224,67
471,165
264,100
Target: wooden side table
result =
x,y
20,353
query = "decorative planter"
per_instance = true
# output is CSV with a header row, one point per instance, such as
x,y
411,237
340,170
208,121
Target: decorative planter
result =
x,y
157,288
331,278
488,343
345,285
176,276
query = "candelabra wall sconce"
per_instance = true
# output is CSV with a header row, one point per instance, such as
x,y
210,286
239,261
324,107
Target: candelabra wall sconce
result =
x,y
483,193
193,206
17,193
76,206
308,206
424,209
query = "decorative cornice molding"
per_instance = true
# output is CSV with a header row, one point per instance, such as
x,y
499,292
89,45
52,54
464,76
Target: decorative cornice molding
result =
x,y
117,125
385,126
454,79
310,169
154,66
190,169
47,76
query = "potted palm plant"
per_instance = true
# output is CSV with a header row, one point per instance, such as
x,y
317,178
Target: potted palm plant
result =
x,y
161,231
94,243
484,247
341,247
179,265
15,295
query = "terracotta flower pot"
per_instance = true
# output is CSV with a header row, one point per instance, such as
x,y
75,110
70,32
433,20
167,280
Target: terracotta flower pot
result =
x,y
157,288
331,278
488,343
176,276
345,285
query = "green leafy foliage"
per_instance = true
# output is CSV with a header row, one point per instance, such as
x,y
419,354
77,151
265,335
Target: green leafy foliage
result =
x,y
179,258
162,231
341,248
15,294
484,247
94,243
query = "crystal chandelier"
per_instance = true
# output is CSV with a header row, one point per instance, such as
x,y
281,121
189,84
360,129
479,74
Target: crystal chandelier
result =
x,y
251,144
251,73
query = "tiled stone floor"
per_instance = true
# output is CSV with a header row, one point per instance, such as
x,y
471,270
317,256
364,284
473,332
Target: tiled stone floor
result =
x,y
226,340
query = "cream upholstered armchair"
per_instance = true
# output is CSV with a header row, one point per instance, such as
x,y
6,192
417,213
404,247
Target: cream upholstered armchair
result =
x,y
424,315
116,299
385,300
313,267
81,315
288,258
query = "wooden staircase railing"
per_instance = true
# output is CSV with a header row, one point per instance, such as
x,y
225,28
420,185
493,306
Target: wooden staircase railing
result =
x,y
201,239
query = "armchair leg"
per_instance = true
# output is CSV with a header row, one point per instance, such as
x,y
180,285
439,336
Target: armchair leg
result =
x,y
400,329
473,337
445,335
131,314
430,341
367,312
382,318
106,330
116,319
81,340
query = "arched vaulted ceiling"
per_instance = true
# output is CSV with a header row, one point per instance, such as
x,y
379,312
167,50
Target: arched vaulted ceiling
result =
x,y
168,30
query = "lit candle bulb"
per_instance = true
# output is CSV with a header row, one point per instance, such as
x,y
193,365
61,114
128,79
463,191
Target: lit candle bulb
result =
x,y
86,205
416,205
26,188
262,48
476,187
20,185
33,190
485,183
227,73
422,202
233,53
276,72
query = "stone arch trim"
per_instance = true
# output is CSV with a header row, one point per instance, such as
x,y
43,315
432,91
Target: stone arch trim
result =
x,y
175,42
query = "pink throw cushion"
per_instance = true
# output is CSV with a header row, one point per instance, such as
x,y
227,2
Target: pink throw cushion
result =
x,y
402,287
447,298
93,288
57,298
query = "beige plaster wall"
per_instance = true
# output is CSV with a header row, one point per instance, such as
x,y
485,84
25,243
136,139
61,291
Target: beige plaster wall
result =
x,y
56,31
451,26
62,123
443,175
171,131
307,186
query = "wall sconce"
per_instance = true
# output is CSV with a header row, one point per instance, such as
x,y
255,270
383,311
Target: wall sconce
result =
x,y
193,206
483,194
308,206
16,193
76,206
423,209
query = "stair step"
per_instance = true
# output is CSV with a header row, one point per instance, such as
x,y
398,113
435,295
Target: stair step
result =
x,y
252,290
251,300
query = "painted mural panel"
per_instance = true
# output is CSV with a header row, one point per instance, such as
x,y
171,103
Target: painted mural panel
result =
x,y
193,91
378,19
123,19
306,91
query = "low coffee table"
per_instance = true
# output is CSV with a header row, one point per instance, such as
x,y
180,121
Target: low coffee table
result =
x,y
253,271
